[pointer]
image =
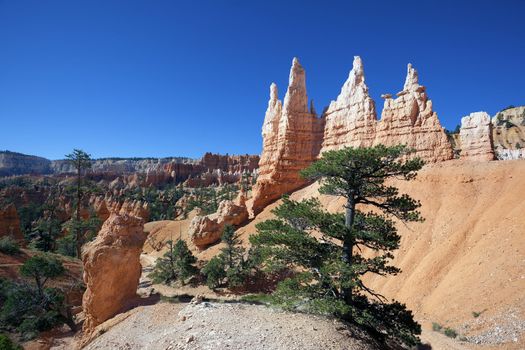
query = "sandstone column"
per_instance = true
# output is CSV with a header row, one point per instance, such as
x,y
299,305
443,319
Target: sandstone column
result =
x,y
112,268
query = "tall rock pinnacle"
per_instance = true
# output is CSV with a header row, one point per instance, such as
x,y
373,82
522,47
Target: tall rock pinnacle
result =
x,y
274,92
476,137
350,119
291,141
296,99
271,118
412,80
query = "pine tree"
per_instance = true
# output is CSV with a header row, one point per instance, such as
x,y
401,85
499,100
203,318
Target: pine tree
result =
x,y
81,161
233,251
177,264
46,229
230,263
42,267
214,272
330,269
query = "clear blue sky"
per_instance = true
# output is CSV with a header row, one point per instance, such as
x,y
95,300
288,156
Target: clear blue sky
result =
x,y
161,78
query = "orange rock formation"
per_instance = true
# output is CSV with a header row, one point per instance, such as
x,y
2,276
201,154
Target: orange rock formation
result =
x,y
206,230
293,137
112,268
10,223
291,140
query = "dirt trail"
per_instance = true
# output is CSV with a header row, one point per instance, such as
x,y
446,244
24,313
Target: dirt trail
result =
x,y
223,326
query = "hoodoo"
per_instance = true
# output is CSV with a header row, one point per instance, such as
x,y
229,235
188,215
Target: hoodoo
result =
x,y
410,119
351,119
293,137
112,268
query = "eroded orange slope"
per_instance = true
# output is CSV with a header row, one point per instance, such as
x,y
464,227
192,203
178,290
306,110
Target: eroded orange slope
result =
x,y
469,254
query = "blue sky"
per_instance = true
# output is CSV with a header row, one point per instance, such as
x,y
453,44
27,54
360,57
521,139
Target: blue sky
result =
x,y
161,78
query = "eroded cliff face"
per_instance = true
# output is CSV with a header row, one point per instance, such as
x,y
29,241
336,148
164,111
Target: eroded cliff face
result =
x,y
216,168
409,119
293,137
12,163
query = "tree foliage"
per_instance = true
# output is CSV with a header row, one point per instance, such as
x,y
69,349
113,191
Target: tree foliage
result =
x,y
41,267
215,272
231,263
9,246
177,264
31,308
80,161
46,229
332,252
79,232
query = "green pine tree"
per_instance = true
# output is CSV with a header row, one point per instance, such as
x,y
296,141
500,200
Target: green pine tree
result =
x,y
42,267
46,229
214,272
177,264
230,263
80,161
330,268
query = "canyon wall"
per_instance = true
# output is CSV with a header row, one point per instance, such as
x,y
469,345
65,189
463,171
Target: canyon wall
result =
x,y
293,136
214,168
121,165
12,163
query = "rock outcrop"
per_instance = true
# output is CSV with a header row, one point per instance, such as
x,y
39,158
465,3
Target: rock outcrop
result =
x,y
112,269
476,137
509,133
206,230
410,119
292,136
230,164
351,119
10,223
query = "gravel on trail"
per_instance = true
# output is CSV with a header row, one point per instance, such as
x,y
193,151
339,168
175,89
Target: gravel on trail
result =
x,y
215,326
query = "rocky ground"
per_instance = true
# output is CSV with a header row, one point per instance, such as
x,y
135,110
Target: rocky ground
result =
x,y
224,326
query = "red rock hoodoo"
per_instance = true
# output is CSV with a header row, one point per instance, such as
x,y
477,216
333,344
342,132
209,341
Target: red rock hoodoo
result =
x,y
293,137
112,268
